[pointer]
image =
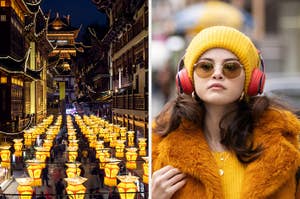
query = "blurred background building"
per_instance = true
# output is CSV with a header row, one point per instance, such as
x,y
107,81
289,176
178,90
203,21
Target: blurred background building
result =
x,y
273,25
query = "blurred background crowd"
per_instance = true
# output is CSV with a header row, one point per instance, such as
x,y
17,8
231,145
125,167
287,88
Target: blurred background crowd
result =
x,y
273,25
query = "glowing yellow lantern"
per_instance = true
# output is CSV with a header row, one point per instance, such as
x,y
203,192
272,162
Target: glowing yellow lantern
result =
x,y
73,169
146,170
111,170
103,155
106,135
73,143
99,146
93,141
41,154
101,133
130,138
113,139
5,155
131,156
27,138
71,134
47,145
117,129
75,189
34,170
106,124
123,133
120,148
111,127
18,147
142,146
72,153
127,187
24,189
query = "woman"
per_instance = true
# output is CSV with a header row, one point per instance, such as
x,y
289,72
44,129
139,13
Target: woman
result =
x,y
223,141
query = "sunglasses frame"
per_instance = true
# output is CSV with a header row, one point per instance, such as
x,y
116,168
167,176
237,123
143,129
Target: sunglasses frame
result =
x,y
211,72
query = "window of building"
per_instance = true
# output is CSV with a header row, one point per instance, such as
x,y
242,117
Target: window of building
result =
x,y
2,18
62,42
2,4
3,80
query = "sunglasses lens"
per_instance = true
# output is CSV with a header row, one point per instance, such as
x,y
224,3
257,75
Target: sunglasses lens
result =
x,y
232,69
204,69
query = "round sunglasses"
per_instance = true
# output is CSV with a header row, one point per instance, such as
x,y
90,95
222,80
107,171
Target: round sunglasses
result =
x,y
230,69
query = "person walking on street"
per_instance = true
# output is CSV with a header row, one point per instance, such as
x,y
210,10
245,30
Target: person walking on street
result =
x,y
45,177
42,196
59,188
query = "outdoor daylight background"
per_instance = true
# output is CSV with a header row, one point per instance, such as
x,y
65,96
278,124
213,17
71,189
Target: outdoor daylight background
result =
x,y
273,25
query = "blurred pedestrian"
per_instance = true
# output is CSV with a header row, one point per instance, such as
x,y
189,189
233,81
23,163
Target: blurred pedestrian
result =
x,y
59,188
45,176
48,192
113,194
218,139
33,196
82,171
41,196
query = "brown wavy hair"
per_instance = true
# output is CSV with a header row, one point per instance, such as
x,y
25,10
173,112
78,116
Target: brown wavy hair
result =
x,y
236,127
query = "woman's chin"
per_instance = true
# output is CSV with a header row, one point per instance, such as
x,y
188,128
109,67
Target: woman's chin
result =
x,y
219,100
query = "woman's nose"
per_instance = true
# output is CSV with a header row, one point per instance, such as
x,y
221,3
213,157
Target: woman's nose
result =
x,y
218,74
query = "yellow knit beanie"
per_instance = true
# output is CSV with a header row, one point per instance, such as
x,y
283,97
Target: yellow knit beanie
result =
x,y
227,38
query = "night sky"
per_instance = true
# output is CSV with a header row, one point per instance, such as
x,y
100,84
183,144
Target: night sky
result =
x,y
81,11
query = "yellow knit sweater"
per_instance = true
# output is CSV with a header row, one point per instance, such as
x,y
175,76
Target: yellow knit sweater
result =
x,y
231,172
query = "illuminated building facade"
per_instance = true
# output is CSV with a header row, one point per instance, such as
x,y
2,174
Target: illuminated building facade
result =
x,y
127,41
23,57
61,78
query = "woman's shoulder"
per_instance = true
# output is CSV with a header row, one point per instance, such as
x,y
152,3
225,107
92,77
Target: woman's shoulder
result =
x,y
276,117
281,122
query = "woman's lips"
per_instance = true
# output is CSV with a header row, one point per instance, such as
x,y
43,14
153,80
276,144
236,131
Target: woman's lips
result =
x,y
216,86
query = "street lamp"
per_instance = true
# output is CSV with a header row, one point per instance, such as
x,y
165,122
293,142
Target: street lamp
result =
x,y
18,147
34,171
25,190
130,138
111,171
131,156
127,188
75,188
142,146
73,169
5,155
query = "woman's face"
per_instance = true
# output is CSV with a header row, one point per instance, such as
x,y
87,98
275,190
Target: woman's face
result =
x,y
220,85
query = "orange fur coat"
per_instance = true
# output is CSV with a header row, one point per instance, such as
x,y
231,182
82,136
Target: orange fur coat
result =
x,y
272,175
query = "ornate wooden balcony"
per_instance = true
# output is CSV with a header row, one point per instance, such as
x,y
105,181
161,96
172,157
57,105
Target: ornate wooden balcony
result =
x,y
131,101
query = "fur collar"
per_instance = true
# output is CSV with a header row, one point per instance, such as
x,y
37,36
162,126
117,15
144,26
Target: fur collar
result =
x,y
277,132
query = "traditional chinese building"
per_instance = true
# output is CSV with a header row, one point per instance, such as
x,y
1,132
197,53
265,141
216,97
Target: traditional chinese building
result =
x,y
127,41
23,57
62,36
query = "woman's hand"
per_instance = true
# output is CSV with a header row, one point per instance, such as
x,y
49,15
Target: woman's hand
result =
x,y
166,181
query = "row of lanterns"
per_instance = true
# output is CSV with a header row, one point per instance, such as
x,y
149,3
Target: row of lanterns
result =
x,y
75,182
35,166
93,127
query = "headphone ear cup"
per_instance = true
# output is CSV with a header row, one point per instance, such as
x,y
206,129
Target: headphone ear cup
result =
x,y
257,82
183,82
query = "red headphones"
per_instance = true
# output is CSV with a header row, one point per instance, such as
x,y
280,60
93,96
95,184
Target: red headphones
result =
x,y
256,86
